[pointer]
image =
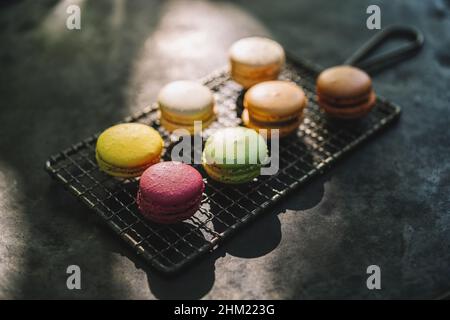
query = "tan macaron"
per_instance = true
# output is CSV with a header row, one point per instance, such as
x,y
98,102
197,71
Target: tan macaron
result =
x,y
255,59
274,105
345,92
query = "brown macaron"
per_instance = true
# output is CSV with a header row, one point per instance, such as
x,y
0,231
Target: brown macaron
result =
x,y
273,105
345,92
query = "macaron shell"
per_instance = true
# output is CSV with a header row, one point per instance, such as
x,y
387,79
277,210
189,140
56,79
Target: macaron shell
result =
x,y
231,147
187,98
275,98
343,82
257,51
283,131
170,219
171,183
129,145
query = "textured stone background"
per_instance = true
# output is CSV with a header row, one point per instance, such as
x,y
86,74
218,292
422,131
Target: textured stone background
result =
x,y
387,204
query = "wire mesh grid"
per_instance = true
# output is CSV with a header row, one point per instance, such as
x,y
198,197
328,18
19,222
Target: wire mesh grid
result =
x,y
318,143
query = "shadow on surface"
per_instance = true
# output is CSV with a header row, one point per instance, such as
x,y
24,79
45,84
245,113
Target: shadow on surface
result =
x,y
192,282
56,91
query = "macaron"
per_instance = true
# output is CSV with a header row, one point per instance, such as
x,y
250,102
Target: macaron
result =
x,y
183,102
234,155
255,59
345,92
126,150
170,192
273,105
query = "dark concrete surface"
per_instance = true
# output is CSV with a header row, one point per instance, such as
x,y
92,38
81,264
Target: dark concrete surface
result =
x,y
387,204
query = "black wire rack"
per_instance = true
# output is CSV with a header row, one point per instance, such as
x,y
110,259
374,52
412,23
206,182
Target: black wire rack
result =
x,y
319,142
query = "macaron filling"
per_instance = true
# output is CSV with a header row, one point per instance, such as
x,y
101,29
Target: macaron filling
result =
x,y
274,124
167,213
347,101
350,111
235,170
188,122
232,175
135,171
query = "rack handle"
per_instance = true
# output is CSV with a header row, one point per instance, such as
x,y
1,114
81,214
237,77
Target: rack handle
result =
x,y
416,40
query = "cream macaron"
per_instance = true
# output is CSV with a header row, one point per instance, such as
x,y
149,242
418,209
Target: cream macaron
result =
x,y
183,102
255,59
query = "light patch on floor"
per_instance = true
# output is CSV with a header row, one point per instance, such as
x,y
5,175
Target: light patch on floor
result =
x,y
189,34
11,251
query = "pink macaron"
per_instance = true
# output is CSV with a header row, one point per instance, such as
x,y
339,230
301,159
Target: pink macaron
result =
x,y
170,192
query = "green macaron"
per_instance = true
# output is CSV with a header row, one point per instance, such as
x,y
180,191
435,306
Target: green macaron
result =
x,y
234,155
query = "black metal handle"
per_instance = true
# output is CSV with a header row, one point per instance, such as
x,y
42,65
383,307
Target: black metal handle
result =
x,y
416,40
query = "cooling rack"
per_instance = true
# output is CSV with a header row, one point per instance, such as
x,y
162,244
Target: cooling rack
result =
x,y
317,145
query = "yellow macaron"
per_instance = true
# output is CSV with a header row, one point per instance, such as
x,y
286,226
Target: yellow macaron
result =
x,y
184,102
126,150
273,105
